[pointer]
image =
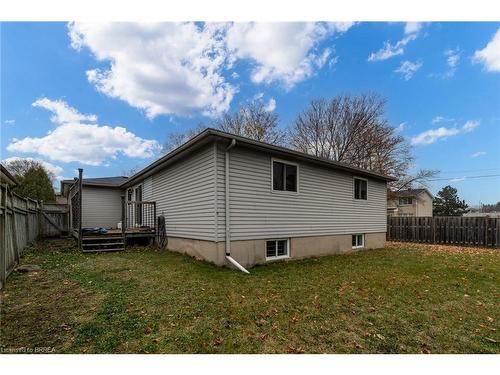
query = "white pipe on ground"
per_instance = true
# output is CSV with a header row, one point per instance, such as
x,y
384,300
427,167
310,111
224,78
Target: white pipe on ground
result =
x,y
236,264
228,213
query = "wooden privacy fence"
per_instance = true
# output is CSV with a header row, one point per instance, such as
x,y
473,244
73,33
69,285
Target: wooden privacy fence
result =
x,y
466,231
22,221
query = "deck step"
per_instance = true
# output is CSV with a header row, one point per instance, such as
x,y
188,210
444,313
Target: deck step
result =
x,y
99,243
93,238
84,244
100,250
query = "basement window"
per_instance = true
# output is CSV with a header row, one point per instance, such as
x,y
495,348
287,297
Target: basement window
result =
x,y
360,188
277,249
284,176
358,241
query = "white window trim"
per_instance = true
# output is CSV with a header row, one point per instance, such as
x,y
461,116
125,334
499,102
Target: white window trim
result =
x,y
272,177
406,204
354,178
270,259
362,241
134,188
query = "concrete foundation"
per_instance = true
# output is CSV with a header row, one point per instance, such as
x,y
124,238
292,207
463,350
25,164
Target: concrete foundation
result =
x,y
251,252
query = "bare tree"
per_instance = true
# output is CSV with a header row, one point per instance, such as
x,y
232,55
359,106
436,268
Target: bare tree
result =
x,y
176,139
353,130
252,121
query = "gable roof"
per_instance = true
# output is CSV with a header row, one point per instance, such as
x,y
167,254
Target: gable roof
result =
x,y
116,181
210,134
412,192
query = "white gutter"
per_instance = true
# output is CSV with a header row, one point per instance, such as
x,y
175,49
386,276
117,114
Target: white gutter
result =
x,y
228,213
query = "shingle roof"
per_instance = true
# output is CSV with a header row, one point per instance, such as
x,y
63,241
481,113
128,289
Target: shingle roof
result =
x,y
102,181
411,192
209,132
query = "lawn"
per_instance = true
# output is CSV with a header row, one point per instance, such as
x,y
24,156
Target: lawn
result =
x,y
404,299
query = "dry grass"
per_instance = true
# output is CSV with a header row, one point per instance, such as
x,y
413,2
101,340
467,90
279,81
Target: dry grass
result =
x,y
403,299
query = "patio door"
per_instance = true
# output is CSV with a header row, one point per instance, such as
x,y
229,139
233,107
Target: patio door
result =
x,y
138,210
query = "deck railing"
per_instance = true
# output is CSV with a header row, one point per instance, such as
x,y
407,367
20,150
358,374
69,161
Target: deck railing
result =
x,y
139,215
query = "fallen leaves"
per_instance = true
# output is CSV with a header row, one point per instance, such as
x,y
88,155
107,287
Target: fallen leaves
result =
x,y
294,350
260,322
450,249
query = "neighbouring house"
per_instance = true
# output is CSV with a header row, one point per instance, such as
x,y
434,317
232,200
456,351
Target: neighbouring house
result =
x,y
493,214
229,199
410,203
6,177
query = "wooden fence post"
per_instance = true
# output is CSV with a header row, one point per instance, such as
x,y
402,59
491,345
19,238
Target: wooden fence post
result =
x,y
3,239
13,228
40,218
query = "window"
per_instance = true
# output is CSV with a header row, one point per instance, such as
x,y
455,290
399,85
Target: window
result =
x,y
129,195
284,176
276,249
405,200
360,188
358,240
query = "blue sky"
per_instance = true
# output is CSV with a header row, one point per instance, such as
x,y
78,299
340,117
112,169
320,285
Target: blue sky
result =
x,y
105,97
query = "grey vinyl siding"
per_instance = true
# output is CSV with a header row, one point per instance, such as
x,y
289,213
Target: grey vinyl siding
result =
x,y
147,189
101,207
324,204
185,193
221,193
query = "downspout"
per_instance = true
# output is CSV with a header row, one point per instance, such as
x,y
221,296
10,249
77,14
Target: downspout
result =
x,y
228,213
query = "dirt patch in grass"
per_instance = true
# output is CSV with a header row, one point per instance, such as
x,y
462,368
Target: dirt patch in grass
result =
x,y
42,310
391,300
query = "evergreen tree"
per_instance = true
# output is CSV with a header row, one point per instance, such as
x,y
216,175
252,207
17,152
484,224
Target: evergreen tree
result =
x,y
34,181
447,203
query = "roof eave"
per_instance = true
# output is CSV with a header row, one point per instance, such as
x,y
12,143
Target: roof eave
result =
x,y
217,133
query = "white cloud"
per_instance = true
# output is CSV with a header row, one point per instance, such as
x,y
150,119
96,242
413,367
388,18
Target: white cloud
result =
x,y
91,144
282,52
439,119
452,61
258,96
63,113
271,105
452,57
490,55
408,69
477,154
161,68
401,127
433,135
458,179
412,27
55,169
9,122
390,50
470,126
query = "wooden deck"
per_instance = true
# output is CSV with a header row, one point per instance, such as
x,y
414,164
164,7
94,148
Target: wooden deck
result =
x,y
114,239
130,232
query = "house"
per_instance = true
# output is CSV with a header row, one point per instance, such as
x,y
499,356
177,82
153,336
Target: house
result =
x,y
101,200
409,203
227,198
